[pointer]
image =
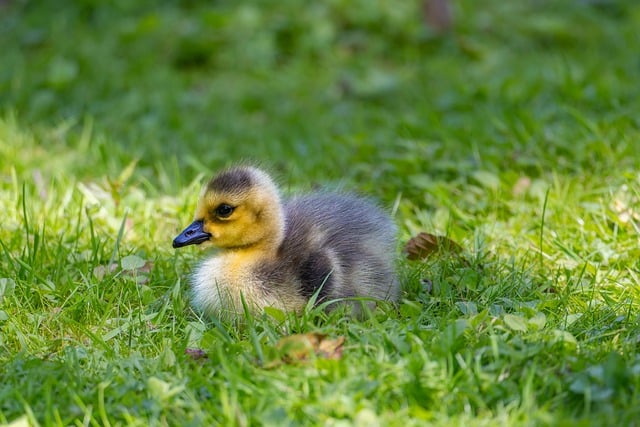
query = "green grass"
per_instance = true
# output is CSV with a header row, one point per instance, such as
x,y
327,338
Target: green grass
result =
x,y
516,135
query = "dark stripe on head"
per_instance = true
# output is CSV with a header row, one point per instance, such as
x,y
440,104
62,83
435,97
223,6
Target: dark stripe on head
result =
x,y
231,181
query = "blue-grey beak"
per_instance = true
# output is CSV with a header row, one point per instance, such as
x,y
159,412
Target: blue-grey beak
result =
x,y
192,235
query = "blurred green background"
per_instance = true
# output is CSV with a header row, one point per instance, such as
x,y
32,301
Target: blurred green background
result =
x,y
362,91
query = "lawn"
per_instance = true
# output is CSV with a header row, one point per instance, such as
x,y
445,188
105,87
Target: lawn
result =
x,y
516,134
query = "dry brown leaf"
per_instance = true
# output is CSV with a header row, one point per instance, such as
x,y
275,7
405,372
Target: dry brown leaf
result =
x,y
147,267
300,348
196,353
437,14
101,270
330,349
142,276
425,244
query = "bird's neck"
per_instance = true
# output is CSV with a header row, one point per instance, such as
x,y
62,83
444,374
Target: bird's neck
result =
x,y
240,262
267,247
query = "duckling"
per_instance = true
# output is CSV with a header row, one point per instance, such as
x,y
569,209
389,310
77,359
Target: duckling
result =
x,y
275,253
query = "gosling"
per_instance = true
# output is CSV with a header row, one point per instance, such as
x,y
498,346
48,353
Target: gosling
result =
x,y
327,246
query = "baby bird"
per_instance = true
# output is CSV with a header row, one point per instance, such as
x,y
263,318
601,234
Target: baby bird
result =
x,y
280,254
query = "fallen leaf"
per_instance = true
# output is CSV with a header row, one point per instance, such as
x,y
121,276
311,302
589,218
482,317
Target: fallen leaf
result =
x,y
141,275
147,267
100,271
437,14
330,349
196,353
301,348
425,244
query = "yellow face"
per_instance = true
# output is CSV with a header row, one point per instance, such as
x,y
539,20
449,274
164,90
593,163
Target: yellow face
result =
x,y
238,209
234,220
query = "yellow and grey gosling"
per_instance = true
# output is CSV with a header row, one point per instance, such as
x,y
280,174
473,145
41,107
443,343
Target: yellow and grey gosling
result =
x,y
275,254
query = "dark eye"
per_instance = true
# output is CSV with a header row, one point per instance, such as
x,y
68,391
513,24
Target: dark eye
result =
x,y
224,210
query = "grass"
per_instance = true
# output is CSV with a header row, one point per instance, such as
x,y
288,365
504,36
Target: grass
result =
x,y
515,135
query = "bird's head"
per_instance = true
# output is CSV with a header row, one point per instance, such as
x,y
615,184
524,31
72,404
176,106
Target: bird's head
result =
x,y
239,208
